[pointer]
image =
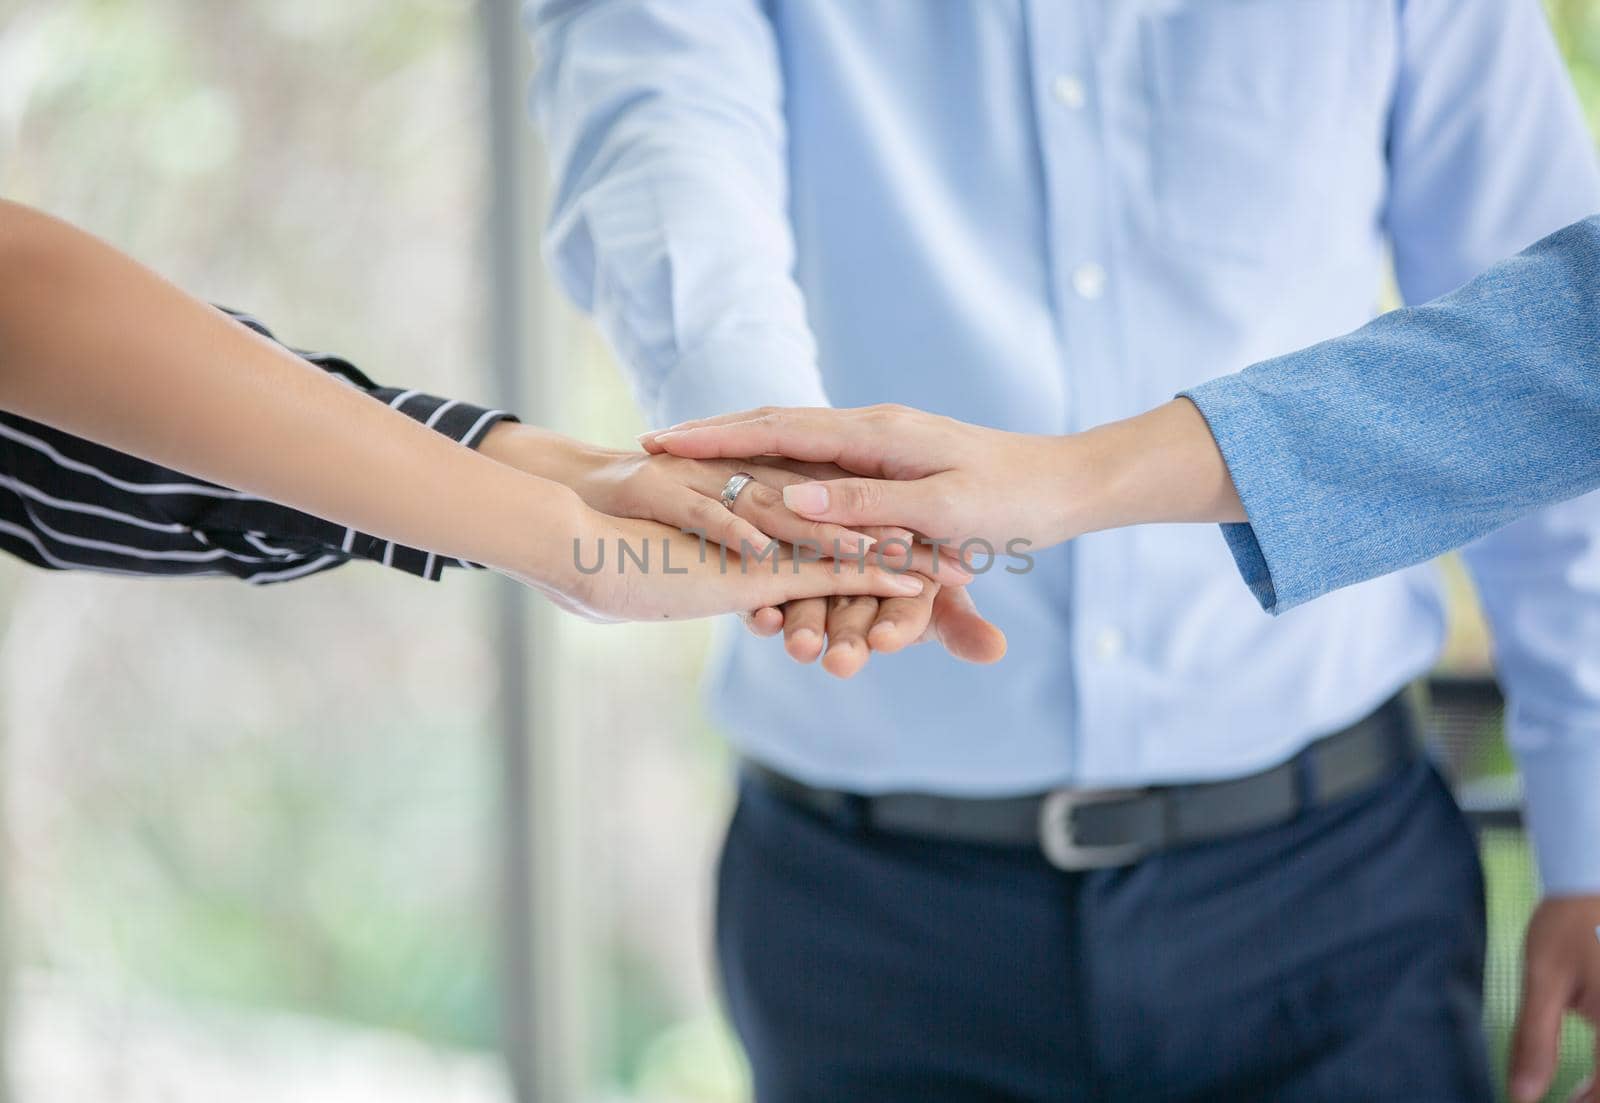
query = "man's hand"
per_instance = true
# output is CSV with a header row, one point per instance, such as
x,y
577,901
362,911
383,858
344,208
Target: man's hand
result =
x,y
931,474
1561,973
940,614
855,628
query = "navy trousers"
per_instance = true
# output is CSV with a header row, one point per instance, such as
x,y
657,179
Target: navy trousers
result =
x,y
1338,958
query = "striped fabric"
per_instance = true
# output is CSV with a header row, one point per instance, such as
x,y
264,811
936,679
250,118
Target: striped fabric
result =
x,y
67,504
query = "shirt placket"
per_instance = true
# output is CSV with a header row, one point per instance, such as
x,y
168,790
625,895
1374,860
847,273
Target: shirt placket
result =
x,y
1069,106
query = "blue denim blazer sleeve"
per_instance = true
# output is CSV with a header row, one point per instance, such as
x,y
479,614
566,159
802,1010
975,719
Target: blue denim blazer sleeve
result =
x,y
1420,432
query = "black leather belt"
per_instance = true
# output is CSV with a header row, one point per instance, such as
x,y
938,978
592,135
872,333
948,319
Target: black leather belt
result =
x,y
1079,829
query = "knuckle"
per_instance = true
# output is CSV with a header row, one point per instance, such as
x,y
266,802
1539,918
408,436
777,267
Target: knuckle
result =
x,y
887,413
763,496
862,497
706,513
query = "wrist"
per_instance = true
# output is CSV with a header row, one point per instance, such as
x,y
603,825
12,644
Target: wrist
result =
x,y
552,542
1082,474
1160,467
1075,479
548,455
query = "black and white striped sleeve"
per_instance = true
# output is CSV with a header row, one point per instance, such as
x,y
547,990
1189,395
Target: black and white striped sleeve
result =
x,y
69,504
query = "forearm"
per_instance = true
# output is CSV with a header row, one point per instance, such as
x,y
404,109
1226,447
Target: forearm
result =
x,y
1161,466
95,345
1426,429
545,453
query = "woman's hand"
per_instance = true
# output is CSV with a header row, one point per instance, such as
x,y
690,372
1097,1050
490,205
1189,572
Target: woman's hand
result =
x,y
961,482
927,473
622,569
682,493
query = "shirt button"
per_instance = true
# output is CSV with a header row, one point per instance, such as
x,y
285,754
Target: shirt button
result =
x,y
1108,643
1069,91
1089,280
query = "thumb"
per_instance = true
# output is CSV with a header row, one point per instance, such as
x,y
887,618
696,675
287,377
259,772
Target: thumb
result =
x,y
1536,1041
906,504
962,629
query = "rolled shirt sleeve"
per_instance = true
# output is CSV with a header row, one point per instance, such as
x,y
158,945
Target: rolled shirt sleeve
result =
x,y
665,130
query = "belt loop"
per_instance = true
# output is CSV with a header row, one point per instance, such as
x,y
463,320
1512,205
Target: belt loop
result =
x,y
853,813
1307,783
1411,728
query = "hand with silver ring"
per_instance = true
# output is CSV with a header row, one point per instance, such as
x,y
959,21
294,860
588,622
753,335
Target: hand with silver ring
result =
x,y
703,496
730,490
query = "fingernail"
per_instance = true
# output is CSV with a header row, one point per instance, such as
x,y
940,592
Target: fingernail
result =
x,y
881,630
866,542
1525,1088
804,635
805,497
910,585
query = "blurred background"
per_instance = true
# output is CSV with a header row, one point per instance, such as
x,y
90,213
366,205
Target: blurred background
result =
x,y
291,844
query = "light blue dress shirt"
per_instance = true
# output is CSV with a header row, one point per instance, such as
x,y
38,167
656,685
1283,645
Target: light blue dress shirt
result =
x,y
1423,431
1042,215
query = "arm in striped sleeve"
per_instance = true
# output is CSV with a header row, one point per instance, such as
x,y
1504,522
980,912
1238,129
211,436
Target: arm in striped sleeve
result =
x,y
67,503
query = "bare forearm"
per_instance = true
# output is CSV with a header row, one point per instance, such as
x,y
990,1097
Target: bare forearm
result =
x,y
1161,466
98,346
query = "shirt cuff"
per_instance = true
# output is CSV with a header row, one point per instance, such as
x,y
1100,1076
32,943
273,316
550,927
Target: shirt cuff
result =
x,y
738,371
1561,787
461,422
1280,569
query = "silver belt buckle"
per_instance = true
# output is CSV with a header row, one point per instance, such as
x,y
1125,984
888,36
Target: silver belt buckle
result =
x,y
1060,846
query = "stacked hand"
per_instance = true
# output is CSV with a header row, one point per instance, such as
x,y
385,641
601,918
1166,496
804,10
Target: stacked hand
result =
x,y
927,475
967,483
908,593
923,472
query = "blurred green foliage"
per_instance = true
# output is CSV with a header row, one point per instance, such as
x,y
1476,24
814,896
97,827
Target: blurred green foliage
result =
x,y
1577,27
277,799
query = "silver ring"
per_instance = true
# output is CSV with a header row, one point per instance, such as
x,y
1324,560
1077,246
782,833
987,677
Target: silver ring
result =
x,y
730,492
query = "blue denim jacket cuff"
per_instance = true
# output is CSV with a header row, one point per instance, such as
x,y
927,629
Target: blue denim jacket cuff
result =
x,y
1279,566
